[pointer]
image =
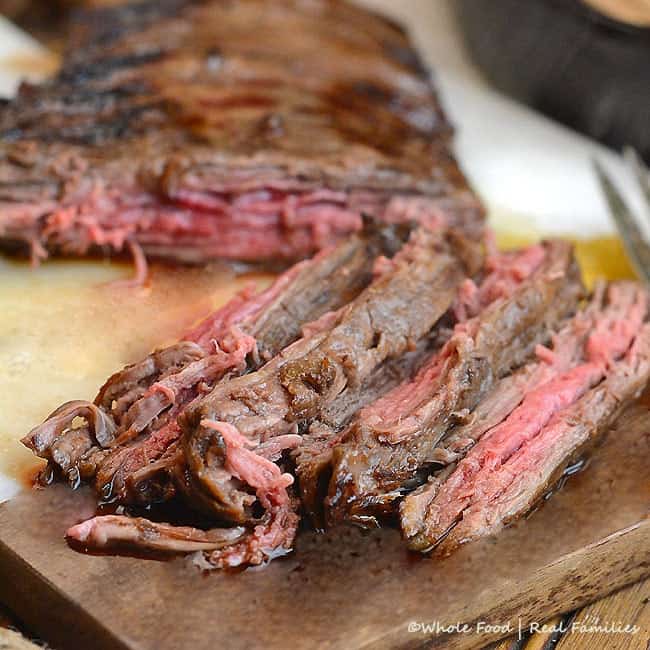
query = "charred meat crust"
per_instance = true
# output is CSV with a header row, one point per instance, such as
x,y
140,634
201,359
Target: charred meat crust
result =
x,y
336,279
172,126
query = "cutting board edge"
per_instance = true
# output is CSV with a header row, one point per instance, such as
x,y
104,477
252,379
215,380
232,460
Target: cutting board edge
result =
x,y
46,611
575,580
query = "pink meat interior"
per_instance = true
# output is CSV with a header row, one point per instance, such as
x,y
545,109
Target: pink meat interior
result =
x,y
614,331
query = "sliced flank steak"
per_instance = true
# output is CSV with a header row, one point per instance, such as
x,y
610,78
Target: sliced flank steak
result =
x,y
133,420
595,367
391,444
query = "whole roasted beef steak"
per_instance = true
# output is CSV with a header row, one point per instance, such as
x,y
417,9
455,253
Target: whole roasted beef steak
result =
x,y
188,129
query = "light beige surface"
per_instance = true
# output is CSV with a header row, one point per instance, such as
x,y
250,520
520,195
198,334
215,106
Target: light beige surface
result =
x,y
64,329
10,640
635,12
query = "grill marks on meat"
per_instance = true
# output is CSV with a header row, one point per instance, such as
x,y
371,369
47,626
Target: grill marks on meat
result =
x,y
172,127
392,442
599,363
133,422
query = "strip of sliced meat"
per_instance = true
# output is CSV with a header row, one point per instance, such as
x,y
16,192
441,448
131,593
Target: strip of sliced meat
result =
x,y
393,440
115,531
461,508
103,427
570,436
400,307
507,394
315,287
175,130
269,537
132,421
314,456
314,453
127,382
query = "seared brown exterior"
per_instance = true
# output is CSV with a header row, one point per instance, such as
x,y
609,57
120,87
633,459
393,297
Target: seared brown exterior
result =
x,y
371,472
171,118
131,435
386,320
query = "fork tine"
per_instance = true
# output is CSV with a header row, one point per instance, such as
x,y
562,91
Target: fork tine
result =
x,y
633,240
640,172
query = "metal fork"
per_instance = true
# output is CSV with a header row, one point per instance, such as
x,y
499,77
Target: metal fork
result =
x,y
635,242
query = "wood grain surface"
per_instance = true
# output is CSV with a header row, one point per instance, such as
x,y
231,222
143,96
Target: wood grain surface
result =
x,y
628,606
342,589
598,626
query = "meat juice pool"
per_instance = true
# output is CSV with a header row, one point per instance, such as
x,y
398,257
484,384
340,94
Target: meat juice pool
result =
x,y
66,326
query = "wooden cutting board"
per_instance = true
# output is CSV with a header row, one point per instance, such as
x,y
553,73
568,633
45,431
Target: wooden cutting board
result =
x,y
342,589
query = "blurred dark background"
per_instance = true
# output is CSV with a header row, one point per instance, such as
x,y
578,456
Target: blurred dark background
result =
x,y
47,20
586,64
